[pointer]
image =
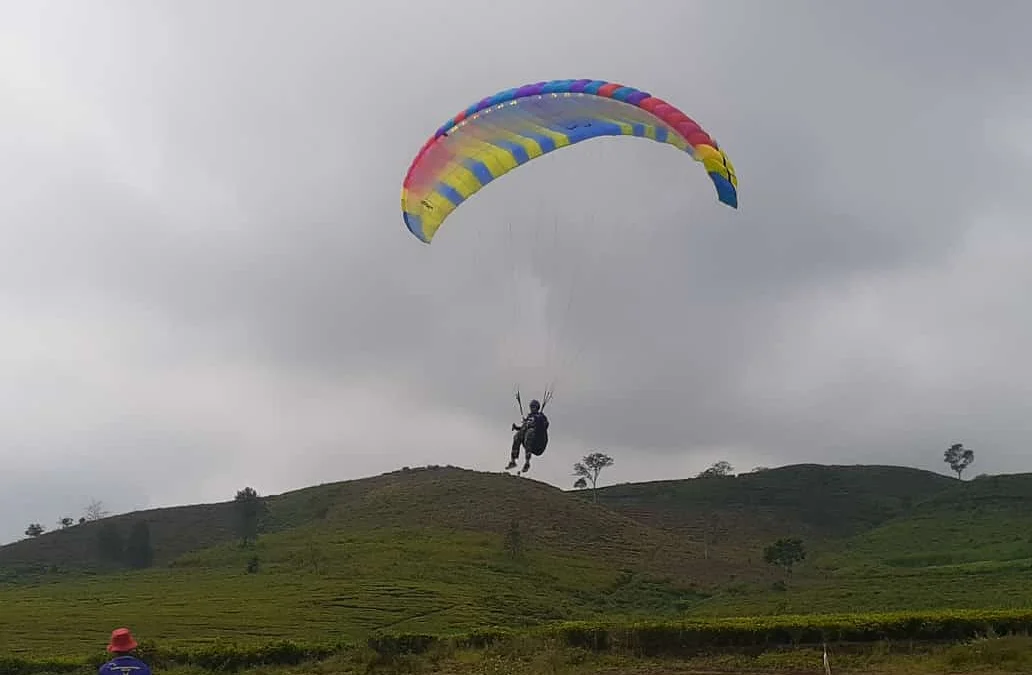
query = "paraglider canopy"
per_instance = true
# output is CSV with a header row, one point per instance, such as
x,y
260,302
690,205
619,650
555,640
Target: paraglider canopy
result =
x,y
501,132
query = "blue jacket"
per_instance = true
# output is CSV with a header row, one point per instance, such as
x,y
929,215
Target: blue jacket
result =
x,y
124,665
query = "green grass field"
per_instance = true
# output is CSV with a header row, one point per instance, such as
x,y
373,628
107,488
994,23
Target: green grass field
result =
x,y
1002,656
544,653
335,585
423,551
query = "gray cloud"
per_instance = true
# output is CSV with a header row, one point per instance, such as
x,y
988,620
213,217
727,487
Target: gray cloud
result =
x,y
205,282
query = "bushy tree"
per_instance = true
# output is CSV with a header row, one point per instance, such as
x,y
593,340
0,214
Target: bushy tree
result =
x,y
588,470
785,553
719,469
250,512
958,457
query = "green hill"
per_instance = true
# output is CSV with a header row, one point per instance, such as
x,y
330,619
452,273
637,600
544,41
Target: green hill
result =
x,y
815,502
968,546
429,550
422,549
987,519
439,499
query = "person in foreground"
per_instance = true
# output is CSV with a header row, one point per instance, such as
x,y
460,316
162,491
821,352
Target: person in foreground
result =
x,y
125,662
532,434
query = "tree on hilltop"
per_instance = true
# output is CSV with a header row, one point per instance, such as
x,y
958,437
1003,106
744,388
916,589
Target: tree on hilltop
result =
x,y
719,469
95,510
250,512
958,457
588,470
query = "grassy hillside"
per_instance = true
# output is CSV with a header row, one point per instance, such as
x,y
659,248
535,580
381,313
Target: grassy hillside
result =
x,y
174,531
411,550
332,586
425,550
969,546
986,519
445,499
814,502
739,513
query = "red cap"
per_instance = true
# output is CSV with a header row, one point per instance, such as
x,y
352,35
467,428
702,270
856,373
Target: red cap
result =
x,y
121,641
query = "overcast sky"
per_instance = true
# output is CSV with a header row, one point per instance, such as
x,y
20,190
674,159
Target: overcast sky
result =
x,y
205,282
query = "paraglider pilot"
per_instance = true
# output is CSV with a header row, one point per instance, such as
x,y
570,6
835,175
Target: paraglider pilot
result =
x,y
532,434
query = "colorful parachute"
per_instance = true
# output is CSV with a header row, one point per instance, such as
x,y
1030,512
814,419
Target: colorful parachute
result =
x,y
501,132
